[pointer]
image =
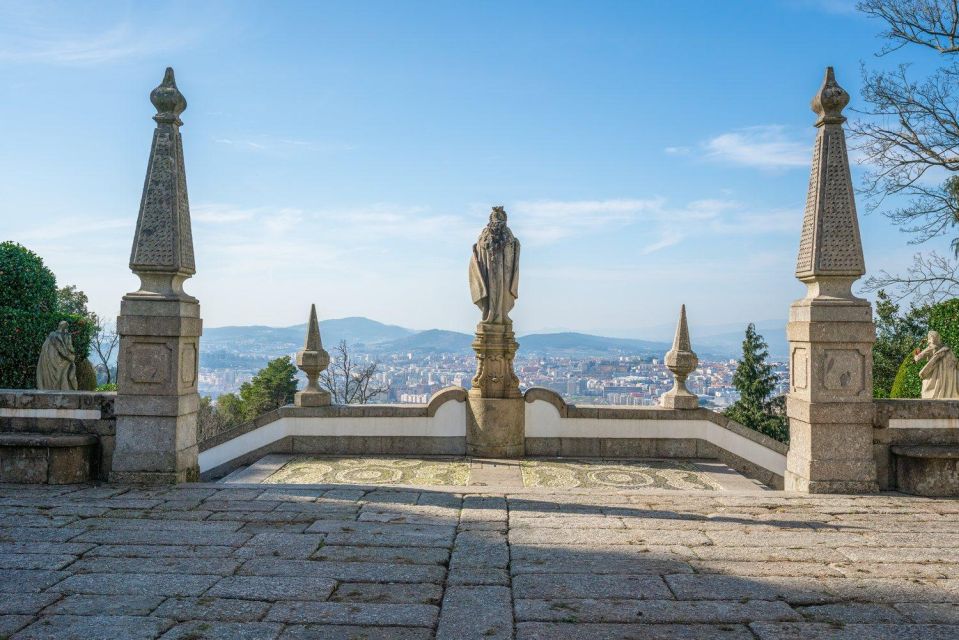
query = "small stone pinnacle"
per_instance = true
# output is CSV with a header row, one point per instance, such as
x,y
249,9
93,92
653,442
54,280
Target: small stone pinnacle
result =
x,y
830,100
168,100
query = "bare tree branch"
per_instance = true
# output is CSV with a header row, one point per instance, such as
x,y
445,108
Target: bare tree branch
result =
x,y
929,280
929,23
105,341
349,382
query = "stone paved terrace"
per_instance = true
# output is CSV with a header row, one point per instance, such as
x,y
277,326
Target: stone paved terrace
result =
x,y
349,562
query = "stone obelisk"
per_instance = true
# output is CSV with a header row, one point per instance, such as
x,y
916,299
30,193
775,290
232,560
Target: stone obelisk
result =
x,y
312,360
495,426
159,324
681,360
830,331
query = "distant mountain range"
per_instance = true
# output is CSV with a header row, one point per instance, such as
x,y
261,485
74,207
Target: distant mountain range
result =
x,y
255,344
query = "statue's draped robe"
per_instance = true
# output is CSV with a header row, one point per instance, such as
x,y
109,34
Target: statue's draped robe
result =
x,y
57,369
494,280
940,376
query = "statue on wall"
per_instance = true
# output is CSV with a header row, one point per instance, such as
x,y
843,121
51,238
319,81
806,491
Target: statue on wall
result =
x,y
940,376
57,369
494,270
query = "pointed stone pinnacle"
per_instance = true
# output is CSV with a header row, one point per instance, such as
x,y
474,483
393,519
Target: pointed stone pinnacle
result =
x,y
313,340
681,361
168,100
312,360
830,100
681,339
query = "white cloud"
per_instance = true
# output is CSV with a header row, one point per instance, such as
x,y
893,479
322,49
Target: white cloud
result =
x,y
275,144
45,33
677,151
762,147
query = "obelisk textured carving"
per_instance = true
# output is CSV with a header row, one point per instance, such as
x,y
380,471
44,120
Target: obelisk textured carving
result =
x,y
496,423
312,360
160,324
830,331
681,360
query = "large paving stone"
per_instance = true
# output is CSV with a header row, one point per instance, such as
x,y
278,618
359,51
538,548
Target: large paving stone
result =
x,y
281,545
930,613
273,587
223,631
28,581
210,608
573,631
34,561
419,593
594,560
11,623
351,632
157,584
105,605
206,566
169,537
476,613
578,585
94,628
822,631
158,551
355,613
393,555
347,571
26,603
653,611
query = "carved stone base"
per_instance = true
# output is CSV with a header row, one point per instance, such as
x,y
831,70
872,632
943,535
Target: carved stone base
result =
x,y
674,399
495,346
496,427
312,398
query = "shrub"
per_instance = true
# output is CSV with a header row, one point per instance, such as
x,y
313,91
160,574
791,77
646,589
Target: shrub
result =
x,y
21,336
944,318
86,376
25,283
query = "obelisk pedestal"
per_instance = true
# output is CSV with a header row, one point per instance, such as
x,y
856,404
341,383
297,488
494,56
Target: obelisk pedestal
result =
x,y
496,419
159,324
830,331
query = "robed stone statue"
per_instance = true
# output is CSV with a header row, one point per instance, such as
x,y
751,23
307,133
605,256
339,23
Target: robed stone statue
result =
x,y
940,376
57,369
494,270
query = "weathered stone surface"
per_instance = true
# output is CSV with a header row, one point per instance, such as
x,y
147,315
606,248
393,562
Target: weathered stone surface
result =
x,y
577,585
410,615
105,605
653,611
476,612
575,631
349,632
94,628
137,584
301,587
418,593
210,608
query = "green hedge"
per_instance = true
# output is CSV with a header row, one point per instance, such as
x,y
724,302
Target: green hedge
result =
x,y
21,336
25,283
944,318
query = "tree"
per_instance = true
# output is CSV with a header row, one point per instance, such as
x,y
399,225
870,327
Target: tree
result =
x,y
910,136
944,318
350,382
72,300
896,336
104,343
272,387
756,383
29,311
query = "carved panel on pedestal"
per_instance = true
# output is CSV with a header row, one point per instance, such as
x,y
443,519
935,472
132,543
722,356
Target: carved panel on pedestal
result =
x,y
150,362
799,368
843,370
188,364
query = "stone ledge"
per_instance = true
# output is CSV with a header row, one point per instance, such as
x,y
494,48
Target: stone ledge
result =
x,y
37,399
905,409
926,451
46,440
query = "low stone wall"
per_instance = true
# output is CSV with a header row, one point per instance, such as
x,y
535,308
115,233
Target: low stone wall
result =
x,y
553,428
50,413
911,423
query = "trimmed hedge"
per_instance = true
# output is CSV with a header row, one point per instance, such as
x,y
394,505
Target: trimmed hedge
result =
x,y
944,318
21,337
25,283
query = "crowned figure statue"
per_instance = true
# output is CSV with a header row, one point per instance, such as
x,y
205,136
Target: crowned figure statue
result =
x,y
940,376
494,270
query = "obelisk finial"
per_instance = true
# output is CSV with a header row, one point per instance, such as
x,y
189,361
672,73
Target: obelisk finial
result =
x,y
162,253
681,361
312,360
168,100
830,100
830,250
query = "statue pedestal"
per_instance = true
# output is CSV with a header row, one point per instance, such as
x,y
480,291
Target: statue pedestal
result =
x,y
496,427
496,424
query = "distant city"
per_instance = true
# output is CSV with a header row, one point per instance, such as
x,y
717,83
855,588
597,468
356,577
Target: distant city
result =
x,y
583,369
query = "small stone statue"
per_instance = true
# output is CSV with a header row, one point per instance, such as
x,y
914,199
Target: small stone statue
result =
x,y
940,376
57,369
494,270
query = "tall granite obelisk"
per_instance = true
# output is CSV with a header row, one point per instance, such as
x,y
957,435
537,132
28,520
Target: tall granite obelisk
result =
x,y
159,324
495,425
830,331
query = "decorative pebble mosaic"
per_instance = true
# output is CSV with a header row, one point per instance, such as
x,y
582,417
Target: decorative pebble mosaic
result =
x,y
647,474
369,470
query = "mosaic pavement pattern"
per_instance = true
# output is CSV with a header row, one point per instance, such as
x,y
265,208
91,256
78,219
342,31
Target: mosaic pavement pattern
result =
x,y
335,562
353,470
650,474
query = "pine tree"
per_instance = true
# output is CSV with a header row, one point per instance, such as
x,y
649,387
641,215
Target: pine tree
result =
x,y
755,381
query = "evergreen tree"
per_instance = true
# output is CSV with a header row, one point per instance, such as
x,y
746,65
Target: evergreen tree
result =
x,y
755,381
272,387
896,337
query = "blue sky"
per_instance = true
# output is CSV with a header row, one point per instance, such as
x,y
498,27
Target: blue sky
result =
x,y
347,153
